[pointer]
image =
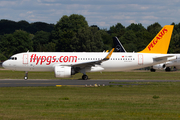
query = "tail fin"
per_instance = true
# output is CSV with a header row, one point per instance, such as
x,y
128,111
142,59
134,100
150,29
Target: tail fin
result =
x,y
117,45
160,43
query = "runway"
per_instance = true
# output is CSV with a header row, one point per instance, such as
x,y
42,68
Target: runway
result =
x,y
45,83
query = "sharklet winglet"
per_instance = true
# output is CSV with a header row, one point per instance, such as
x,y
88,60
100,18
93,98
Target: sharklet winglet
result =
x,y
109,55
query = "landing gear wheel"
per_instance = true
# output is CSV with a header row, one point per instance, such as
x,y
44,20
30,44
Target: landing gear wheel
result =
x,y
84,77
168,69
26,76
153,70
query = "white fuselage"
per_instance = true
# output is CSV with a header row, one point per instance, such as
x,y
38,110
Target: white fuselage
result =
x,y
46,61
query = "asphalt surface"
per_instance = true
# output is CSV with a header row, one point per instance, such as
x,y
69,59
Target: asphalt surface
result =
x,y
44,83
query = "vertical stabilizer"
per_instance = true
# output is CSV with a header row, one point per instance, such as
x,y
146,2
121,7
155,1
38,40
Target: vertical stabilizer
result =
x,y
160,43
117,45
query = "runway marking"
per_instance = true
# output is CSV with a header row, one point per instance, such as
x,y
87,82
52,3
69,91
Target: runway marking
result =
x,y
75,83
71,85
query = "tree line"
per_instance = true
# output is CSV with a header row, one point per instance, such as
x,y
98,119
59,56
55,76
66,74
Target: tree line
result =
x,y
73,34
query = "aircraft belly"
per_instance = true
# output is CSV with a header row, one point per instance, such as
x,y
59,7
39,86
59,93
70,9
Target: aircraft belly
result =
x,y
41,68
34,68
118,65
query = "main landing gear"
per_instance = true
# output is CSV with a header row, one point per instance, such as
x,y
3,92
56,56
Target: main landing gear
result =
x,y
153,70
168,69
26,75
84,77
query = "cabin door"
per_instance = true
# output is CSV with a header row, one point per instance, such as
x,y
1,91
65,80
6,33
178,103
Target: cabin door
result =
x,y
140,59
25,58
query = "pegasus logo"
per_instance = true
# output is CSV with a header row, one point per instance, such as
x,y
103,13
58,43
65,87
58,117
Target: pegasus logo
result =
x,y
157,38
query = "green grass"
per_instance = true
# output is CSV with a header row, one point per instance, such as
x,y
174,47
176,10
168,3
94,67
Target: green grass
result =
x,y
126,100
151,101
138,75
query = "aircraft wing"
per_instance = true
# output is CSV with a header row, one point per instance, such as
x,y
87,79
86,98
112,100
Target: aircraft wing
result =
x,y
92,63
165,58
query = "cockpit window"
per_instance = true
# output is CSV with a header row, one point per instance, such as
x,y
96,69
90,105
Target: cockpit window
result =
x,y
13,58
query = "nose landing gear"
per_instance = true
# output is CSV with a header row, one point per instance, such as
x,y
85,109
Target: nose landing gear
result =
x,y
26,75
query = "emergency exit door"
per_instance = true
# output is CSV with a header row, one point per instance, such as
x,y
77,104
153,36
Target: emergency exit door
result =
x,y
140,59
25,59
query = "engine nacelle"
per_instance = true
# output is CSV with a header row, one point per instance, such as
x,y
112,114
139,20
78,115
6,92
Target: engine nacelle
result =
x,y
159,66
62,71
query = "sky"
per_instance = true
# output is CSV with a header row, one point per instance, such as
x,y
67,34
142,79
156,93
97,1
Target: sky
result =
x,y
103,13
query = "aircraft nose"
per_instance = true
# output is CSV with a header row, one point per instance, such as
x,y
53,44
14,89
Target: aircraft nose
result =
x,y
4,64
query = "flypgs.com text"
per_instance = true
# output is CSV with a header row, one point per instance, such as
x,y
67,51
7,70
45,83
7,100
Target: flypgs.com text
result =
x,y
52,59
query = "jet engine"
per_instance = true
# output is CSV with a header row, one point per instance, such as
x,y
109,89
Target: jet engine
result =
x,y
63,71
159,66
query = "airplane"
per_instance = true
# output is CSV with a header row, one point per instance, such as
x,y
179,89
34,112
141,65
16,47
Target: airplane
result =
x,y
167,65
65,64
